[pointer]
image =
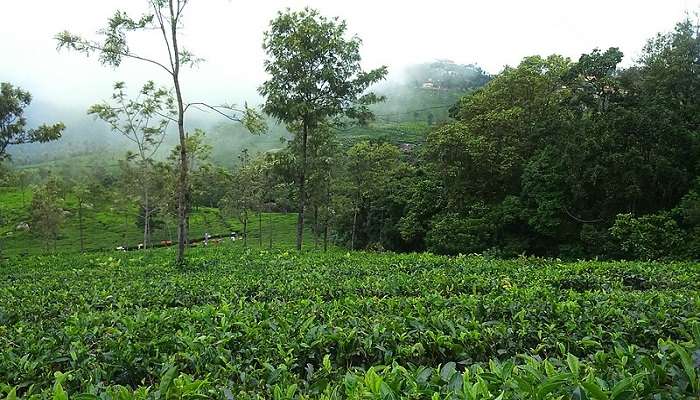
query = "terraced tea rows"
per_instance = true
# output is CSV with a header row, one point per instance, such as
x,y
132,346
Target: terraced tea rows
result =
x,y
347,325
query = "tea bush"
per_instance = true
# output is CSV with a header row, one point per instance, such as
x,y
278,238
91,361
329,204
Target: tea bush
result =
x,y
251,324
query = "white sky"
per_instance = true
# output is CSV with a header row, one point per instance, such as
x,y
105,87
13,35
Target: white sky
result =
x,y
228,34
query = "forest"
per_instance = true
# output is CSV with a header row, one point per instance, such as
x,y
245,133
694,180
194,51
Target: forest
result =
x,y
437,232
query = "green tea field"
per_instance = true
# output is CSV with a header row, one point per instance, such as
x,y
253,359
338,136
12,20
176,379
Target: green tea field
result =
x,y
108,224
252,324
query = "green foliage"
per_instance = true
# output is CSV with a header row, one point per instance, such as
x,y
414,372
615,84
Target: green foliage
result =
x,y
454,234
47,214
446,75
315,70
649,237
109,222
13,122
315,76
569,146
258,324
142,119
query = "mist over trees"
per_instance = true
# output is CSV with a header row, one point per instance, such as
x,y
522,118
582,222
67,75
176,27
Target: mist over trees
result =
x,y
171,248
551,157
163,17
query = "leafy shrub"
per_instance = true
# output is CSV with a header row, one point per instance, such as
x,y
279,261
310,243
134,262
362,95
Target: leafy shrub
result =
x,y
284,325
454,234
649,237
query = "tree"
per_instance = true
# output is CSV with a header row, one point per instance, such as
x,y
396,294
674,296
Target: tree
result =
x,y
368,169
315,75
47,211
13,123
82,194
648,237
246,191
143,120
165,19
322,167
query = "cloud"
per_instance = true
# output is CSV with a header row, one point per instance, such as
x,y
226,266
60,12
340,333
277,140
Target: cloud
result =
x,y
228,34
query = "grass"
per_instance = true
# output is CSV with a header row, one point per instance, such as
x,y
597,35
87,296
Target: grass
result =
x,y
412,132
107,227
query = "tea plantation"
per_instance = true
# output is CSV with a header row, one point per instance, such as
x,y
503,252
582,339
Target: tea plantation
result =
x,y
239,324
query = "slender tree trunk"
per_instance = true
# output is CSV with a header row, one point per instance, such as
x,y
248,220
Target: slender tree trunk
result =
x,y
327,216
260,240
270,228
381,226
126,227
80,222
182,178
354,229
316,230
245,230
325,235
146,219
166,227
302,187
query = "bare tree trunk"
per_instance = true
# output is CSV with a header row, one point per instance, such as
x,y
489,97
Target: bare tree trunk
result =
x,y
22,188
325,235
245,230
270,228
168,233
126,227
302,187
146,219
80,222
316,230
354,229
182,178
327,216
381,226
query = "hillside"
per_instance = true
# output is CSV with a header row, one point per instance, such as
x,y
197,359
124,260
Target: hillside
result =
x,y
109,224
286,325
419,97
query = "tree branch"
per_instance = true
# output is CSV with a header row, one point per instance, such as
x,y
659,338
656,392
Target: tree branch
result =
x,y
91,46
218,109
577,219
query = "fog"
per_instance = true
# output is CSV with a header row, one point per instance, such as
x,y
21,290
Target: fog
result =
x,y
228,34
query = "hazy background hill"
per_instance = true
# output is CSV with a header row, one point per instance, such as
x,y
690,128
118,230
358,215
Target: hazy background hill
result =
x,y
417,97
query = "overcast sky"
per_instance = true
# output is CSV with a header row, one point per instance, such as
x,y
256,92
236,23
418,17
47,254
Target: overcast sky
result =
x,y
228,34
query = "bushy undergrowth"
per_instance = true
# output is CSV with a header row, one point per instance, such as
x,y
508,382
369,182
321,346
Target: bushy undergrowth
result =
x,y
237,324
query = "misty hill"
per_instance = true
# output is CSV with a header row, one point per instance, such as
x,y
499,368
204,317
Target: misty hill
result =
x,y
417,99
428,88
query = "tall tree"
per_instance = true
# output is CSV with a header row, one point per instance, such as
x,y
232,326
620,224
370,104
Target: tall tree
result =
x,y
164,18
315,75
246,191
143,120
13,122
369,167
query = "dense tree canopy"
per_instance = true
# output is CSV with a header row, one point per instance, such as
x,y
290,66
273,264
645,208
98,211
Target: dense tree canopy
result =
x,y
545,157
